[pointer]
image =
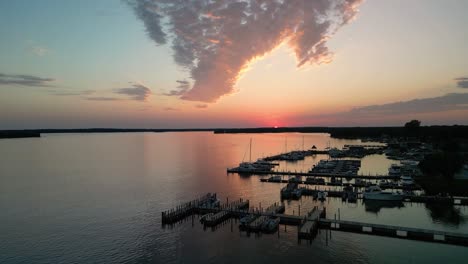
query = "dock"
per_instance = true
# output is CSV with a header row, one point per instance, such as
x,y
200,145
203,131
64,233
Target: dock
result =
x,y
308,224
396,231
309,227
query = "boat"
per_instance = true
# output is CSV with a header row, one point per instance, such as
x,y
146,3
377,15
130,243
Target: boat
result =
x,y
287,191
297,179
311,180
321,196
204,217
359,183
375,193
246,220
335,181
251,167
276,178
410,162
352,197
407,180
212,202
296,193
271,224
394,170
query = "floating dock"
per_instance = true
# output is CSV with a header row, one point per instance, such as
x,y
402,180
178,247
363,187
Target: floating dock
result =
x,y
396,231
308,225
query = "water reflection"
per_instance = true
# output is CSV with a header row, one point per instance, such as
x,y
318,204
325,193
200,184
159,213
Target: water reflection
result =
x,y
376,206
446,214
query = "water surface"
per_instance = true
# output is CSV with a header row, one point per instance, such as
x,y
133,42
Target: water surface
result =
x,y
97,198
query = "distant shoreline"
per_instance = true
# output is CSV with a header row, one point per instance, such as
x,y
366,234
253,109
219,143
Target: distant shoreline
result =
x,y
454,131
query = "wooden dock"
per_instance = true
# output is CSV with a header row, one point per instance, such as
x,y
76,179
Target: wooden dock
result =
x,y
407,198
183,210
396,231
308,225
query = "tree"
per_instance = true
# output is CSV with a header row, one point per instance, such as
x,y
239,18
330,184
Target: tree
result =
x,y
413,124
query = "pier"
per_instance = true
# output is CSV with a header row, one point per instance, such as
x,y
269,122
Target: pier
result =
x,y
396,231
308,224
309,227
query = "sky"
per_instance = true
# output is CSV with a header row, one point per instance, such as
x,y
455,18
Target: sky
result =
x,y
229,63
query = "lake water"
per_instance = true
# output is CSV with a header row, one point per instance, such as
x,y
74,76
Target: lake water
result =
x,y
97,198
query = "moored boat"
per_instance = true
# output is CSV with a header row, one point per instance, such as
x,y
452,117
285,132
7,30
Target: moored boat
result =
x,y
375,193
271,224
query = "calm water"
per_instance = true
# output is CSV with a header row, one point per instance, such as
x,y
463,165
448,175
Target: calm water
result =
x,y
97,198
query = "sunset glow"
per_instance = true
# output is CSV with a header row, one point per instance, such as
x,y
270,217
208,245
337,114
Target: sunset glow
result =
x,y
262,71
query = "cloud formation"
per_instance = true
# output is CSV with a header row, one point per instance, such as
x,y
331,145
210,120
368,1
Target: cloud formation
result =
x,y
462,82
25,80
170,109
102,99
137,92
39,51
201,106
182,88
71,93
448,102
215,40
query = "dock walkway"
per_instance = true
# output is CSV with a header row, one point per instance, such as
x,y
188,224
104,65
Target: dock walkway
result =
x,y
396,231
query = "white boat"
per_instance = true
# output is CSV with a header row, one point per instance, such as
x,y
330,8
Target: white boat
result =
x,y
375,193
252,167
407,180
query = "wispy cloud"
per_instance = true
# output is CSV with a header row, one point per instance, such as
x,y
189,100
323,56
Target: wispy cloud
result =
x,y
170,109
25,80
201,106
462,82
137,92
71,93
448,102
216,40
182,88
101,98
39,51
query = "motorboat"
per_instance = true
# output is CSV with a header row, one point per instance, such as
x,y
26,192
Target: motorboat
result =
x,y
246,220
271,224
375,193
296,193
394,170
352,197
321,196
205,217
407,180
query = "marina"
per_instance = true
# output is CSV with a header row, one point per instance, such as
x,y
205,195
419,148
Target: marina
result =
x,y
308,224
119,200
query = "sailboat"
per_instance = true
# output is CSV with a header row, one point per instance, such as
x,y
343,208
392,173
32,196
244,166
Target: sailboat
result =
x,y
259,165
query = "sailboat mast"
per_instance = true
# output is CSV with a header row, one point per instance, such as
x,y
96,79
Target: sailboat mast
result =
x,y
250,152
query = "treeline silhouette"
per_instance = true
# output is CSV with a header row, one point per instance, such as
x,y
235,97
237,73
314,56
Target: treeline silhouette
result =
x,y
454,131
